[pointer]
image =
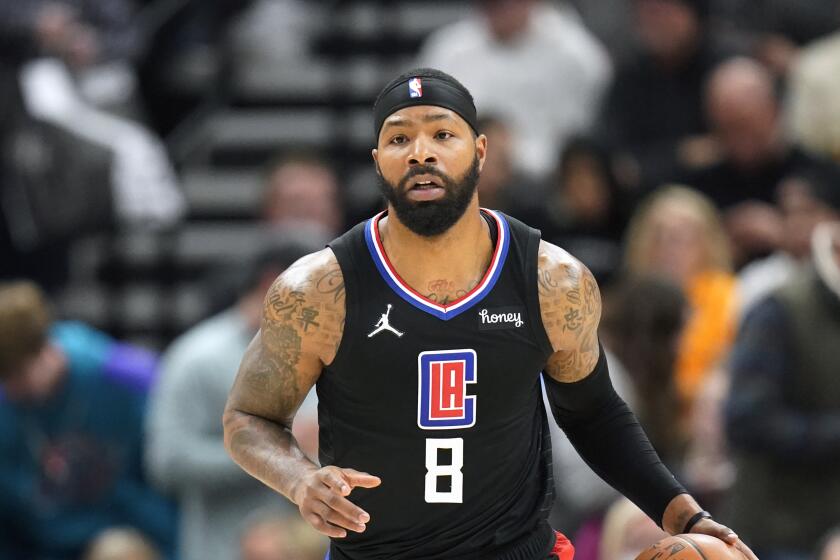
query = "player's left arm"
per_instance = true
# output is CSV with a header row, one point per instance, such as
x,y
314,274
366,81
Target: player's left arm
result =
x,y
597,421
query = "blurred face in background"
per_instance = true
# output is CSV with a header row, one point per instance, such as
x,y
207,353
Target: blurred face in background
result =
x,y
266,542
585,190
303,192
121,544
281,538
506,18
498,166
831,550
37,378
677,242
743,113
801,212
669,29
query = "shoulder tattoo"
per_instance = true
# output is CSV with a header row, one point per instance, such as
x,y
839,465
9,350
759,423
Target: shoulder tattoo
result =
x,y
570,306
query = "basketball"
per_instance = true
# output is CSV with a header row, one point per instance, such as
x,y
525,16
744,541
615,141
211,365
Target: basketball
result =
x,y
690,547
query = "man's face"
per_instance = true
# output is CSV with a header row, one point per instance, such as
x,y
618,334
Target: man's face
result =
x,y
747,131
429,162
507,18
498,167
668,28
743,112
37,377
303,192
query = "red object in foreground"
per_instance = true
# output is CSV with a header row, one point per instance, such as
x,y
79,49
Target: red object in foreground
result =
x,y
563,548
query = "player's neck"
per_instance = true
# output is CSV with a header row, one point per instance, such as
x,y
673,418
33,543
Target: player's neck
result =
x,y
462,253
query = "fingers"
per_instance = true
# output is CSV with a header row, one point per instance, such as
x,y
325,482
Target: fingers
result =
x,y
727,535
745,550
335,513
332,519
335,481
349,514
326,507
362,479
324,527
715,529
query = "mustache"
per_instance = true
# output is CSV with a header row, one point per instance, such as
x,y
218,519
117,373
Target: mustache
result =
x,y
422,170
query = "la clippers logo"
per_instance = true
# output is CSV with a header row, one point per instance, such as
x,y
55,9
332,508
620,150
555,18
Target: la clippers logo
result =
x,y
415,88
443,403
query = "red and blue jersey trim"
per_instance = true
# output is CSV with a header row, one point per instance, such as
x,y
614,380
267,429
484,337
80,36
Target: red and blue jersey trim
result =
x,y
455,308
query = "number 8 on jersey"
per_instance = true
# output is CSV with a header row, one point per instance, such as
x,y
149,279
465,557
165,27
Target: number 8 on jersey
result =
x,y
443,404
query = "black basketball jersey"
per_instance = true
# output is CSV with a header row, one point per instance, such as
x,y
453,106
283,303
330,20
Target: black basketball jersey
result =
x,y
443,403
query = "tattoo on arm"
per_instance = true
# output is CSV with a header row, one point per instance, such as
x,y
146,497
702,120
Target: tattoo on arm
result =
x,y
332,283
265,396
301,327
546,283
570,306
268,383
293,308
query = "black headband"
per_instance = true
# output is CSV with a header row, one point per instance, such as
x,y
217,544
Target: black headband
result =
x,y
424,91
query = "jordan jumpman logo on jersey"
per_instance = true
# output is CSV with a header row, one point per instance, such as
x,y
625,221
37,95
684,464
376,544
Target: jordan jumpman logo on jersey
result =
x,y
384,325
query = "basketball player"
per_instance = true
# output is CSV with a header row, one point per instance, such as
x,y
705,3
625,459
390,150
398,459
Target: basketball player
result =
x,y
426,329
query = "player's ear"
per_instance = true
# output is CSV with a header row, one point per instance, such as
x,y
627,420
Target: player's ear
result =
x,y
481,150
375,155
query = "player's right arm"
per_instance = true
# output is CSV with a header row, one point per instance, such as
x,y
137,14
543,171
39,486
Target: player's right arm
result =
x,y
302,323
597,421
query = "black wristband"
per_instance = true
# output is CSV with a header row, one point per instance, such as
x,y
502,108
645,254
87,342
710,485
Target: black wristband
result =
x,y
695,518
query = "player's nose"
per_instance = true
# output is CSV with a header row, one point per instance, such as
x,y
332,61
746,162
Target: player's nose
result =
x,y
421,153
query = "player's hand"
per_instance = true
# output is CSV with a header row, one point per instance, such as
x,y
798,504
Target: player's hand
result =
x,y
724,533
321,497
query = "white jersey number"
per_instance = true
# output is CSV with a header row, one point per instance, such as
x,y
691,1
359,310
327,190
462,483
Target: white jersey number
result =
x,y
435,471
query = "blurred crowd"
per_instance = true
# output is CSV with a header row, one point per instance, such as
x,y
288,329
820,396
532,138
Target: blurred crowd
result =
x,y
687,151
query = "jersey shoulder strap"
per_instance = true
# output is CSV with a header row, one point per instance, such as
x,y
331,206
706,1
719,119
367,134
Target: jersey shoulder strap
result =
x,y
348,250
525,246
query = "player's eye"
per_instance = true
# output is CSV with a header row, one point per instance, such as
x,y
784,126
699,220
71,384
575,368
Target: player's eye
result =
x,y
399,139
443,135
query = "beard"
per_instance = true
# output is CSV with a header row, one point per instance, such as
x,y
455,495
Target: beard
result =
x,y
430,218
